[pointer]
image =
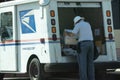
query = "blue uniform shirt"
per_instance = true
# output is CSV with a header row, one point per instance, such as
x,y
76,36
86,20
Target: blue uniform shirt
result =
x,y
83,30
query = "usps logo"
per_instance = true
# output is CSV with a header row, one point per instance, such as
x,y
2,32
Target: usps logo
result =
x,y
27,21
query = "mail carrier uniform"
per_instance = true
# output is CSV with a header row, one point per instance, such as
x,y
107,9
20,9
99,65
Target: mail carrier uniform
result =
x,y
85,56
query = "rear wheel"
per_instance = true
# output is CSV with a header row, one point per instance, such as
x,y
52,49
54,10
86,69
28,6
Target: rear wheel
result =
x,y
36,70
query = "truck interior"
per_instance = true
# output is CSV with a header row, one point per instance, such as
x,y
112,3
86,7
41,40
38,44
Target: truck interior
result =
x,y
93,15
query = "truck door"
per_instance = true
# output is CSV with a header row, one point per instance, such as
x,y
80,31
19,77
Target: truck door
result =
x,y
8,54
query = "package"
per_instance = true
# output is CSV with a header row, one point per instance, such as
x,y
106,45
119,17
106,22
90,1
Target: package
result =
x,y
69,52
70,40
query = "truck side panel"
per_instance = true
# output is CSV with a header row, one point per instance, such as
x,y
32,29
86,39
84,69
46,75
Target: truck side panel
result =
x,y
32,34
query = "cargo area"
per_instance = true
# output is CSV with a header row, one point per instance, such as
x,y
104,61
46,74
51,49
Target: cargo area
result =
x,y
93,15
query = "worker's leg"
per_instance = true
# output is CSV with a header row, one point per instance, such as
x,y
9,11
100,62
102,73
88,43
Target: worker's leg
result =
x,y
90,66
82,62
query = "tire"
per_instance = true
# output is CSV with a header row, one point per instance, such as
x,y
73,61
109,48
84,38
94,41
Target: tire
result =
x,y
1,76
36,70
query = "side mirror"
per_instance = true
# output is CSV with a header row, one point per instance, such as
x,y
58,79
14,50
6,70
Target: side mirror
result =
x,y
44,2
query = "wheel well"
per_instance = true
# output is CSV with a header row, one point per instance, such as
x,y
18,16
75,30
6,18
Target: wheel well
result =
x,y
31,57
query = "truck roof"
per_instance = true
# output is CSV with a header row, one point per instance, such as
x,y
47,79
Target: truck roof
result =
x,y
17,2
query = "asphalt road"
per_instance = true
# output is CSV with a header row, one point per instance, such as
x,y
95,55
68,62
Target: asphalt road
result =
x,y
47,79
108,76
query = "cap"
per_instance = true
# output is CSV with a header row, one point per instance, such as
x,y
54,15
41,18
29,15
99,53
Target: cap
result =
x,y
77,18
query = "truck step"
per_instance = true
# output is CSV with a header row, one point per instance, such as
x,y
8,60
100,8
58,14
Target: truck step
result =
x,y
16,78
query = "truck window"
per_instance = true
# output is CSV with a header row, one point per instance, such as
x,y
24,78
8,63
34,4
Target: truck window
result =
x,y
6,29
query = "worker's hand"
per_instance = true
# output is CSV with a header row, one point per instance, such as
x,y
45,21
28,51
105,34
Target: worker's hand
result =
x,y
69,34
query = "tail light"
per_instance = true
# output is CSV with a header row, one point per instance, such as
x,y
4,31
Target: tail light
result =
x,y
109,28
108,14
109,21
54,37
52,13
110,36
53,21
53,29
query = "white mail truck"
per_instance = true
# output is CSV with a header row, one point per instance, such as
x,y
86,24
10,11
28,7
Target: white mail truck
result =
x,y
32,34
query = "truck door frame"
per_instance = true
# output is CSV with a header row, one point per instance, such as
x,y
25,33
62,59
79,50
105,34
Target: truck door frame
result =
x,y
8,55
107,56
